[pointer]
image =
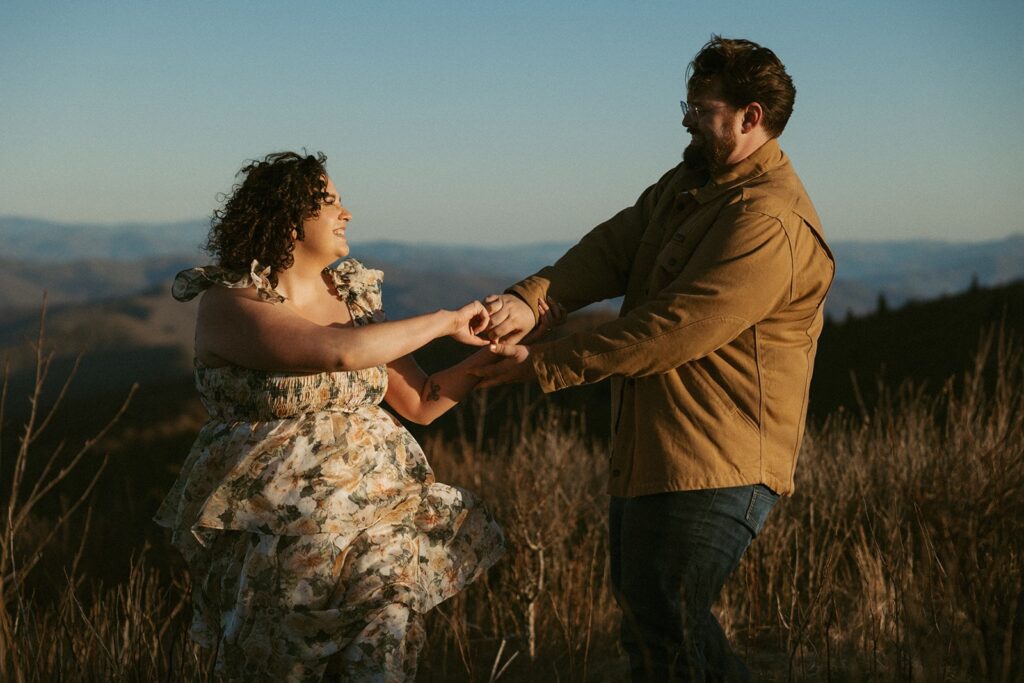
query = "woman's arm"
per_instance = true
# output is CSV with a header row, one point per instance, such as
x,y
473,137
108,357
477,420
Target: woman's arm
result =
x,y
421,398
236,326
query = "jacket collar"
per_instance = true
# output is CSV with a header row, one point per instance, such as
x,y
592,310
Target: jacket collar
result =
x,y
767,157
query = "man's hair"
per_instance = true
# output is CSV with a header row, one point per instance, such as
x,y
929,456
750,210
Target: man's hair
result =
x,y
275,196
745,72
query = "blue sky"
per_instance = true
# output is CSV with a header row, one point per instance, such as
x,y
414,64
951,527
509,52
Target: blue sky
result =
x,y
498,123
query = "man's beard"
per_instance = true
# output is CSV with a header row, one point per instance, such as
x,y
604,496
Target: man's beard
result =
x,y
708,154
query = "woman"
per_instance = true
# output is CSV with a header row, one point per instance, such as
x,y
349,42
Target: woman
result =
x,y
315,533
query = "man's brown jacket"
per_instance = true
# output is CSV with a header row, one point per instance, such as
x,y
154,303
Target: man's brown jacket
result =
x,y
724,282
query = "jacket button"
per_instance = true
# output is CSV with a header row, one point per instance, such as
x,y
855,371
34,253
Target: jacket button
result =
x,y
615,472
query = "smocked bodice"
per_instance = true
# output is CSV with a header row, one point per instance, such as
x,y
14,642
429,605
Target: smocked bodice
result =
x,y
232,394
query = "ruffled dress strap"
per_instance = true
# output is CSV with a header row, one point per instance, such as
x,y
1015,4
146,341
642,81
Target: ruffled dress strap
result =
x,y
360,288
191,282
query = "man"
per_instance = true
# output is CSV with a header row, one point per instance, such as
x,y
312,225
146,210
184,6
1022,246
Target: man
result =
x,y
724,269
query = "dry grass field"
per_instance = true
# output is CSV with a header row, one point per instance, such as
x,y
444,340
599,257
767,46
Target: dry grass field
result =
x,y
899,558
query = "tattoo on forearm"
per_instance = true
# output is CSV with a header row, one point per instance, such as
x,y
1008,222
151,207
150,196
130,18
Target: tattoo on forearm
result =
x,y
435,392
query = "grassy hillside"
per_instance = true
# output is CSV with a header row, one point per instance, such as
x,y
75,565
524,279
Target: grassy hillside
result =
x,y
897,559
924,342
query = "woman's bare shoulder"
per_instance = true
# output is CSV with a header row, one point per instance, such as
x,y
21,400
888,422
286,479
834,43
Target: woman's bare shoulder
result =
x,y
225,306
227,320
220,293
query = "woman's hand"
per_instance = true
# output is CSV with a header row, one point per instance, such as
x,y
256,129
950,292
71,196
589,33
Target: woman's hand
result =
x,y
514,366
470,320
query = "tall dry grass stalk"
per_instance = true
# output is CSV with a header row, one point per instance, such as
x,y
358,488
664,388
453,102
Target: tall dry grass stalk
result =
x,y
547,608
901,556
898,559
29,481
135,631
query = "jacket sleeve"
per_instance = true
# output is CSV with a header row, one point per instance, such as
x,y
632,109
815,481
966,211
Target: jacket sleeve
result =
x,y
739,274
597,267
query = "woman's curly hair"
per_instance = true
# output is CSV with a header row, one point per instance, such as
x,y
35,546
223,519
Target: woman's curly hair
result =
x,y
274,197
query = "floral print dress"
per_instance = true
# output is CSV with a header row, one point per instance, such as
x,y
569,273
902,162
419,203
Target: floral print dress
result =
x,y
313,528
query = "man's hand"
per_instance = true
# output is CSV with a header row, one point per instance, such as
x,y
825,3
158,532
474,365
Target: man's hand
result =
x,y
552,314
514,366
511,318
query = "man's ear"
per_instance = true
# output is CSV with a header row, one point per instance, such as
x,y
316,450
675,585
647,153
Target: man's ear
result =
x,y
753,115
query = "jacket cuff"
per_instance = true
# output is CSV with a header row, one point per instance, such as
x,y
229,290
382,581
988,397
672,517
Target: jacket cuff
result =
x,y
530,290
553,367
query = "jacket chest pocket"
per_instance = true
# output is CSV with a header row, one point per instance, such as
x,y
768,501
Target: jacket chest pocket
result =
x,y
643,270
680,248
669,263
673,256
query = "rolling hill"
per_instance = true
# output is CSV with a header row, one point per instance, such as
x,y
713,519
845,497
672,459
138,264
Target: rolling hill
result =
x,y
79,263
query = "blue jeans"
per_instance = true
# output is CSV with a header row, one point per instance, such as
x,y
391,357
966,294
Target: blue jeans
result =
x,y
670,555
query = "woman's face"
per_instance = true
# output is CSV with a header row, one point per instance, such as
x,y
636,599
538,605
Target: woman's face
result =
x,y
324,233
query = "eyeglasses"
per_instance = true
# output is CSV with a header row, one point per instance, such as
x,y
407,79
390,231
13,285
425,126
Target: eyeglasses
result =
x,y
698,110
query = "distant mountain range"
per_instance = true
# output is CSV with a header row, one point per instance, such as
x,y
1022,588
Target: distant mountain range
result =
x,y
147,338
31,239
79,263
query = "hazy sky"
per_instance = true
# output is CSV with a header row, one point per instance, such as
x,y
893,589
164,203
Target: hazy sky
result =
x,y
494,123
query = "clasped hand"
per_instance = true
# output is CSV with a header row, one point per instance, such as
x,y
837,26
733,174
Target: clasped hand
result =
x,y
471,321
513,326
